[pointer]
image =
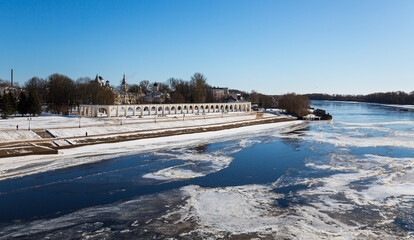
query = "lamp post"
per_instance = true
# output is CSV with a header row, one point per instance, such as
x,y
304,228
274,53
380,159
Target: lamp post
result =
x,y
29,119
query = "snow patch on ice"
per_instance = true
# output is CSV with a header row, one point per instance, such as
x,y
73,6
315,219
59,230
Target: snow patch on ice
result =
x,y
173,173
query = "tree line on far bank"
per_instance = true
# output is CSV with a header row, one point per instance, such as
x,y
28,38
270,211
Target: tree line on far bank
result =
x,y
380,97
60,94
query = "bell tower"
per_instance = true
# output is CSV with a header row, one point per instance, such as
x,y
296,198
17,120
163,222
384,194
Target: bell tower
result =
x,y
124,85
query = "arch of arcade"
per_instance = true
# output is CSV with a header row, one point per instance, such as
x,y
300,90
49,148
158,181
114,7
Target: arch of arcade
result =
x,y
161,109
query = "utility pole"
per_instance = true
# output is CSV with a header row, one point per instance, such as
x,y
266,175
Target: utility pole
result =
x,y
11,78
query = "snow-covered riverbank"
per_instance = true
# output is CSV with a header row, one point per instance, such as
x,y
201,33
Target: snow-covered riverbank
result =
x,y
24,165
69,127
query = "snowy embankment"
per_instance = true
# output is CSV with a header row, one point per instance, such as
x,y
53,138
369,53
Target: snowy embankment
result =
x,y
59,121
177,124
9,135
20,166
53,121
70,126
136,127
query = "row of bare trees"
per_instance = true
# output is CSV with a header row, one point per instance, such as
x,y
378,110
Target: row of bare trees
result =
x,y
297,105
194,91
60,93
292,103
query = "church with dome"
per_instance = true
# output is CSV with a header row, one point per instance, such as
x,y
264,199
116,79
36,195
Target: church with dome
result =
x,y
123,96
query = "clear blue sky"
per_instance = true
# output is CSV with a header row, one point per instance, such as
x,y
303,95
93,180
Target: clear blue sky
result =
x,y
272,46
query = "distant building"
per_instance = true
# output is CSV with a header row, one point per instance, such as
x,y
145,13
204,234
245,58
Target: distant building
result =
x,y
155,87
156,96
219,94
153,98
225,94
100,80
124,85
127,98
122,96
236,95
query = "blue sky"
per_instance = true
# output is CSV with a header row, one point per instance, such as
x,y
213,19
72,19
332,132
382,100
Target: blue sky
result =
x,y
273,47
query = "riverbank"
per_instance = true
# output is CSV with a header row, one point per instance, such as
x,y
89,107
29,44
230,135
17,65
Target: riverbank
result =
x,y
50,140
28,160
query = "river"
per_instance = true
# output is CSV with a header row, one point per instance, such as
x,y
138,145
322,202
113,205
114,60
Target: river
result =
x,y
350,178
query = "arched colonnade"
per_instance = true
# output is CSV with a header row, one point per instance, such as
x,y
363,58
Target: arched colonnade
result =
x,y
161,109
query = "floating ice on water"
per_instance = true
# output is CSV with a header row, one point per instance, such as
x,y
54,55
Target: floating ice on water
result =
x,y
252,209
357,139
236,210
173,173
196,164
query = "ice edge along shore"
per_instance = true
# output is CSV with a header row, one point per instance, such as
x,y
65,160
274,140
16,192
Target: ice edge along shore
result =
x,y
12,167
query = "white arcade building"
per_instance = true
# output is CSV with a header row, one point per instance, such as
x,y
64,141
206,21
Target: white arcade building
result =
x,y
161,109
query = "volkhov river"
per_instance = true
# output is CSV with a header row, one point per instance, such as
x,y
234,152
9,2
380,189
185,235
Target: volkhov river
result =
x,y
350,178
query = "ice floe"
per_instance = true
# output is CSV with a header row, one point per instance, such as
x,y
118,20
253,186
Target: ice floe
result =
x,y
251,210
173,173
360,135
237,210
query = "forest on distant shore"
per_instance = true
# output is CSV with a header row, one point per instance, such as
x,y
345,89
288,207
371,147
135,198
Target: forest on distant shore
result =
x,y
381,97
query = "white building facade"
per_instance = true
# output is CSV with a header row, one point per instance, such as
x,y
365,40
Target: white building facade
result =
x,y
161,109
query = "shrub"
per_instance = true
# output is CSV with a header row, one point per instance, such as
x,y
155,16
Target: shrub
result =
x,y
297,105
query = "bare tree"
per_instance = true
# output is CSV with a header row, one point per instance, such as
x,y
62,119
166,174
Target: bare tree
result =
x,y
297,105
145,86
39,86
134,88
61,96
199,88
